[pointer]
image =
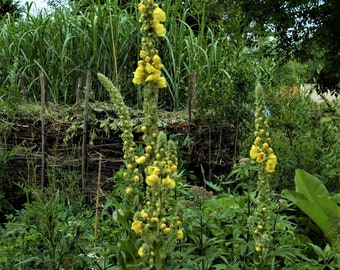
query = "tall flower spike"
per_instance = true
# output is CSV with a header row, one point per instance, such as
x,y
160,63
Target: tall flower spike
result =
x,y
157,223
149,68
260,150
266,161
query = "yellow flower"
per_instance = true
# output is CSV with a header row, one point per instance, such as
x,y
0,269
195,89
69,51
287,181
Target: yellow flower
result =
x,y
143,214
156,62
142,54
265,146
180,234
139,73
141,252
137,227
151,180
153,72
254,151
161,82
273,158
141,7
136,178
261,157
148,148
154,219
257,141
140,160
159,28
153,170
158,14
169,182
167,170
173,168
258,249
156,59
167,230
270,165
128,191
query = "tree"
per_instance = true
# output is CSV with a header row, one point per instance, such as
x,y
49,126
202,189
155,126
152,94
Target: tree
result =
x,y
84,4
11,7
327,39
301,29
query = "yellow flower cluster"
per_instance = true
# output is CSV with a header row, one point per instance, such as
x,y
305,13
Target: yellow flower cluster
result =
x,y
154,173
260,150
156,220
149,68
152,226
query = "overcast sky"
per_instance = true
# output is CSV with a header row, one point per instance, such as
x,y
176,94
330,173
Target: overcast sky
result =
x,y
38,3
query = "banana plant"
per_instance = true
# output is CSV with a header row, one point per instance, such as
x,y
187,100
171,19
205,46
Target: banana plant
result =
x,y
313,198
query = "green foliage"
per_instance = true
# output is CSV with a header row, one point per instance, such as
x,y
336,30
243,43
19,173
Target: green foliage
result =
x,y
225,47
66,43
312,197
5,185
218,237
304,136
46,234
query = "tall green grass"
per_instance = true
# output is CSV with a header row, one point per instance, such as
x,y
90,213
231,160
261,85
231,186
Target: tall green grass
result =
x,y
66,43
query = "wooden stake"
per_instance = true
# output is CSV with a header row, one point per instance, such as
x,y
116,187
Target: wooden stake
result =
x,y
97,199
78,90
43,131
192,88
84,142
23,86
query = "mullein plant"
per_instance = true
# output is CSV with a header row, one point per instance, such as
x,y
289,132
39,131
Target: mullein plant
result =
x,y
266,160
156,221
158,225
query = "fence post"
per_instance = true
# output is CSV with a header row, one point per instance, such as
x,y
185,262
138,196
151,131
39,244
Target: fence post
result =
x,y
84,142
43,131
78,90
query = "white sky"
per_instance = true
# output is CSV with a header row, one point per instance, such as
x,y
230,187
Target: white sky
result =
x,y
38,4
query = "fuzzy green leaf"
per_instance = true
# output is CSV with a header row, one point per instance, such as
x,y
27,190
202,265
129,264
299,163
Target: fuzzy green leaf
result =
x,y
312,197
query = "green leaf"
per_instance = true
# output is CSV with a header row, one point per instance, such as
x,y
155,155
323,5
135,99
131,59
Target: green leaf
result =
x,y
309,185
312,198
213,186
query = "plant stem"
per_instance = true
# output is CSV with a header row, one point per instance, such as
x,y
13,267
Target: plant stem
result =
x,y
158,259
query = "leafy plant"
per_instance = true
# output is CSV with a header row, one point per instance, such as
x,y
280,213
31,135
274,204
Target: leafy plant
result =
x,y
313,198
46,234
